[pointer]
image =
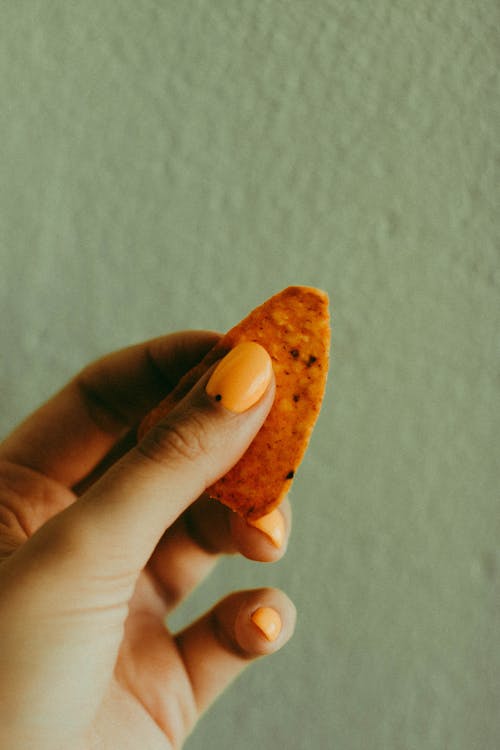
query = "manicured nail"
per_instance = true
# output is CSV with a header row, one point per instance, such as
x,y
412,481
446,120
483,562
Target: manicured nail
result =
x,y
268,621
241,378
272,525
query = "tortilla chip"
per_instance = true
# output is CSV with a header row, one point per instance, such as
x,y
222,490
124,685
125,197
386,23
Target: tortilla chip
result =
x,y
294,327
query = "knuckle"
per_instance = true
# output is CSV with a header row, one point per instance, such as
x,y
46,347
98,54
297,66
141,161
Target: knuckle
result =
x,y
185,440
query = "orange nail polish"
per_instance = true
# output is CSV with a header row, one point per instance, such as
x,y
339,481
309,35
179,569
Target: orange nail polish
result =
x,y
268,621
241,378
272,525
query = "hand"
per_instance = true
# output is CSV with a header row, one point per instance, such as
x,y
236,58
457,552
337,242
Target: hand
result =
x,y
100,538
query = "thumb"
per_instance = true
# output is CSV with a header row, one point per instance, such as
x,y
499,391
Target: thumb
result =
x,y
124,514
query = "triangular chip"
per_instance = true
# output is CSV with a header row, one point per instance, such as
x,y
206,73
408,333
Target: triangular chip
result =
x,y
294,328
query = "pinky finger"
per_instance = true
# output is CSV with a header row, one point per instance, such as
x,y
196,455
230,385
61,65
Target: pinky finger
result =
x,y
240,628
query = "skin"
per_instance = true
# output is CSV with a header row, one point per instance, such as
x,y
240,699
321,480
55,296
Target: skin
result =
x,y
101,538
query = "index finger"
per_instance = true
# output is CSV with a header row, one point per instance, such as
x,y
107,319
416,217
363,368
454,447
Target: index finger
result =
x,y
67,436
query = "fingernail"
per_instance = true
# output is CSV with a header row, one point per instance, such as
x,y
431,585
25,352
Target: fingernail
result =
x,y
268,621
272,525
241,378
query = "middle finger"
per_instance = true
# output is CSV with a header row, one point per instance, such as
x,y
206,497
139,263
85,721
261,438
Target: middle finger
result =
x,y
190,548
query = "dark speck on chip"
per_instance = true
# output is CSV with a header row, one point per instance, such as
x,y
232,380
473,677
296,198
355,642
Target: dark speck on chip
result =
x,y
290,474
311,360
294,353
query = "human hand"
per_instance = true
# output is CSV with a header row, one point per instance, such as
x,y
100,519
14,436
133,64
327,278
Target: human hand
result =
x,y
101,538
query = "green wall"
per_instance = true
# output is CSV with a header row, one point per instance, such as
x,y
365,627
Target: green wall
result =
x,y
169,165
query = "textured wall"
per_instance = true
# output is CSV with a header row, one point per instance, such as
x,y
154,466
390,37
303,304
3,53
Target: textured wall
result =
x,y
169,165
